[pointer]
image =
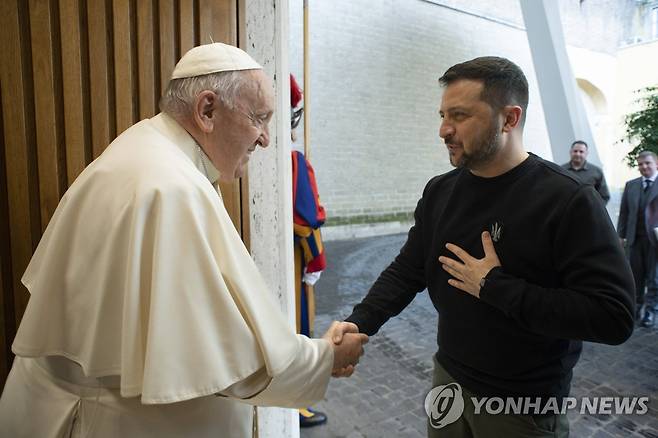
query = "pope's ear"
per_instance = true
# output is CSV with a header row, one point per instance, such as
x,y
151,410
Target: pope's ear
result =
x,y
205,107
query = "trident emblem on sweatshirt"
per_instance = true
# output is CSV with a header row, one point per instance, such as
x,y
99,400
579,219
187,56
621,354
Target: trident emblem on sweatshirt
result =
x,y
496,231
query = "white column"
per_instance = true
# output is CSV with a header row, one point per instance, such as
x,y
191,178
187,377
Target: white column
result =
x,y
270,184
564,111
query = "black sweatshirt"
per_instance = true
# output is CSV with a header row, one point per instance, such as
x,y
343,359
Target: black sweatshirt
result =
x,y
564,278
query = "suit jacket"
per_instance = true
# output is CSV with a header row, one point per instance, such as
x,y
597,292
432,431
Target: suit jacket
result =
x,y
628,211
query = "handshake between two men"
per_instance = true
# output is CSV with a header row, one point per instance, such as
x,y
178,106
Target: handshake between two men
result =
x,y
348,347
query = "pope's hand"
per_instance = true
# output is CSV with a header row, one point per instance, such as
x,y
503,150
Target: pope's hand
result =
x,y
348,344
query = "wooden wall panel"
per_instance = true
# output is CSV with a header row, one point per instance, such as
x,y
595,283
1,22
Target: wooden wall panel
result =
x,y
102,79
47,101
124,60
18,117
222,30
148,94
7,322
22,216
188,28
73,75
5,331
75,70
169,53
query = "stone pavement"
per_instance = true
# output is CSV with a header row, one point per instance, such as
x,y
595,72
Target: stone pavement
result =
x,y
384,398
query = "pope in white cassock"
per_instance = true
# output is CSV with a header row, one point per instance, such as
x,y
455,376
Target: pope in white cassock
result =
x,y
147,316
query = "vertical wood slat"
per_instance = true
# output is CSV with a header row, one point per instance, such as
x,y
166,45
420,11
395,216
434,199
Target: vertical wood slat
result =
x,y
5,334
5,288
101,112
231,197
123,65
206,35
217,21
146,60
7,319
21,195
168,55
43,67
226,13
186,14
72,81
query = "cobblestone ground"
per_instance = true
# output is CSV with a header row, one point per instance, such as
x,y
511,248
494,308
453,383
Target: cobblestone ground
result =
x,y
384,398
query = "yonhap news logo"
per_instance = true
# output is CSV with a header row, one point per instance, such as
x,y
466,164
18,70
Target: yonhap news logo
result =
x,y
444,405
552,405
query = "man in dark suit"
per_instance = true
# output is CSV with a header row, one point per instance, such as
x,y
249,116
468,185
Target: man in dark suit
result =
x,y
637,227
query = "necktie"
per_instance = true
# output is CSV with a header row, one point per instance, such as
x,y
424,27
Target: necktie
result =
x,y
647,184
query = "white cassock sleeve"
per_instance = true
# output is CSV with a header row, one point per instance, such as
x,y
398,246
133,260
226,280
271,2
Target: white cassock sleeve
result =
x,y
304,382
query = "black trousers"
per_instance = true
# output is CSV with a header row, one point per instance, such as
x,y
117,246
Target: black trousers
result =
x,y
642,258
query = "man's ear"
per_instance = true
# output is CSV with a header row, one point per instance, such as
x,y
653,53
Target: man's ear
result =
x,y
205,111
512,114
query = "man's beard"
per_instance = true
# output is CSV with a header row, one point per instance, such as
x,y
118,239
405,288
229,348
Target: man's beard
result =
x,y
483,151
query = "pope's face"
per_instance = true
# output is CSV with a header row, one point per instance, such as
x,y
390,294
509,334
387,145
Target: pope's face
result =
x,y
240,130
469,126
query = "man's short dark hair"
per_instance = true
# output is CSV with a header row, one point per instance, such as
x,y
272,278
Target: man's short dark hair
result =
x,y
579,142
503,81
645,154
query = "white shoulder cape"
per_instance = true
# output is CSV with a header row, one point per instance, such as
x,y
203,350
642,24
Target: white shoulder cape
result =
x,y
141,274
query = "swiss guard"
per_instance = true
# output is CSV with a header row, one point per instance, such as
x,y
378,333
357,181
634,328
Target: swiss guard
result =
x,y
308,217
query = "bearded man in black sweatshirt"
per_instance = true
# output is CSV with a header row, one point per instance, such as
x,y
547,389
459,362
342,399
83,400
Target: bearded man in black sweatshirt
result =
x,y
520,260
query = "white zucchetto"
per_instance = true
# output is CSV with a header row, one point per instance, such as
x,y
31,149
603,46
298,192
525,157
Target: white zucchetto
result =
x,y
213,58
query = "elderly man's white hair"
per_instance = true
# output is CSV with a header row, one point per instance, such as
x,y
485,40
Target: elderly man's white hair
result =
x,y
178,99
216,67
